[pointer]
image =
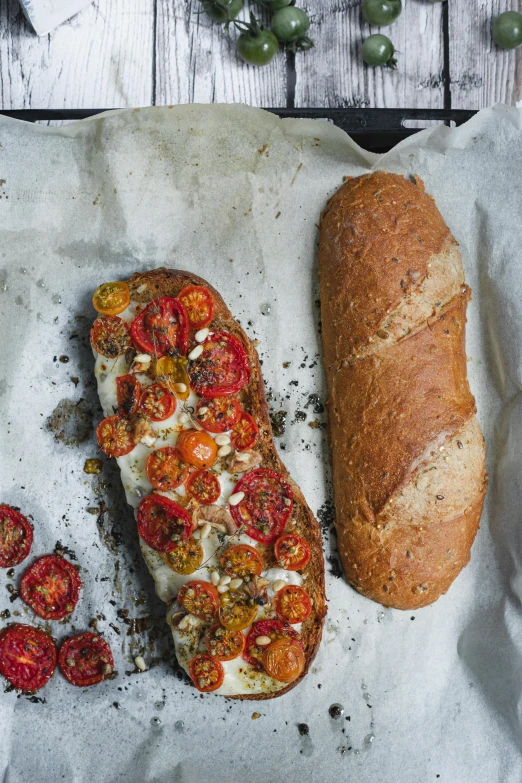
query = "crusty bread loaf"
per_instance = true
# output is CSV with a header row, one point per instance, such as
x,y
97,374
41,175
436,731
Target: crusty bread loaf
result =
x,y
408,453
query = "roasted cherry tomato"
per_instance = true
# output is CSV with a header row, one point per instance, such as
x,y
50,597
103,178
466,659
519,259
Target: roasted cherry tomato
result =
x,y
51,587
219,414
27,656
199,304
110,336
186,558
115,436
245,433
16,537
165,469
222,369
242,560
157,402
273,629
162,523
204,487
162,327
197,448
292,604
223,644
85,659
200,599
206,672
237,610
292,552
128,392
284,660
266,506
111,298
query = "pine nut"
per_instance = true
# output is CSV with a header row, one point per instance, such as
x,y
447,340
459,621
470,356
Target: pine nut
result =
x,y
181,388
140,663
224,451
236,498
225,579
205,530
222,439
214,578
222,589
202,335
195,352
202,410
262,641
235,583
278,585
183,417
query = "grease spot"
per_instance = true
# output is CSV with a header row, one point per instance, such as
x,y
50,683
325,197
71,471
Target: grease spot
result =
x,y
70,422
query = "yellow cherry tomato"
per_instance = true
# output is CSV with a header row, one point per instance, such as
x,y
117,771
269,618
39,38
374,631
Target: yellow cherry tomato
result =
x,y
111,298
172,372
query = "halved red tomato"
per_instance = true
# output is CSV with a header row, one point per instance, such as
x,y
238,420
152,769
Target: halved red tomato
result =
x,y
203,486
206,672
51,587
219,414
222,369
266,506
110,336
237,610
85,659
162,523
157,402
292,604
16,537
128,391
200,599
245,432
115,436
162,327
111,298
284,660
223,644
242,560
274,629
199,304
27,656
292,552
165,469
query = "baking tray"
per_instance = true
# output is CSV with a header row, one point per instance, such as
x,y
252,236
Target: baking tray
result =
x,y
377,130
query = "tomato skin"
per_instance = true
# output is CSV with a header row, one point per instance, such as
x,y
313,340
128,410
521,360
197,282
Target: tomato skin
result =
x,y
257,48
266,506
128,391
223,644
206,672
157,403
199,304
222,369
292,604
115,436
197,448
159,519
186,558
27,656
219,414
111,298
284,660
203,486
275,629
85,659
292,552
16,537
242,560
51,587
162,327
110,336
199,598
165,469
245,433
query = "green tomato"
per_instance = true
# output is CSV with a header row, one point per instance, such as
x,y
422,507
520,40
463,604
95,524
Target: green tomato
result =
x,y
222,11
289,24
507,30
381,12
275,5
378,50
257,47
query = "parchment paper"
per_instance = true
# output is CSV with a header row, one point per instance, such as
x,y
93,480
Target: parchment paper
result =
x,y
235,194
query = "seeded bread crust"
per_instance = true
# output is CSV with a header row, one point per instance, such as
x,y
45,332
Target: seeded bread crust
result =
x,y
169,282
408,454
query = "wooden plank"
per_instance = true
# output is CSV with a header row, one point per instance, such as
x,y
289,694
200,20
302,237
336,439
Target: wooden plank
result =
x,y
100,58
333,74
481,72
196,62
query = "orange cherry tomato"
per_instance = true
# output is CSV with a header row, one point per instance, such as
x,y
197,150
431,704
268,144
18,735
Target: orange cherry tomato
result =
x,y
219,414
200,599
110,336
199,304
242,560
245,432
203,486
237,610
292,552
206,672
157,402
115,436
111,298
284,660
292,604
197,448
186,558
274,629
223,644
165,469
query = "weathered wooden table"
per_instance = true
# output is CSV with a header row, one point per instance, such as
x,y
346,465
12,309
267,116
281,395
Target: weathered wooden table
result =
x,y
119,53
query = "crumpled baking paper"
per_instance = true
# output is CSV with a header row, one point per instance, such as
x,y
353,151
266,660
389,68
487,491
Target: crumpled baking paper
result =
x,y
235,194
